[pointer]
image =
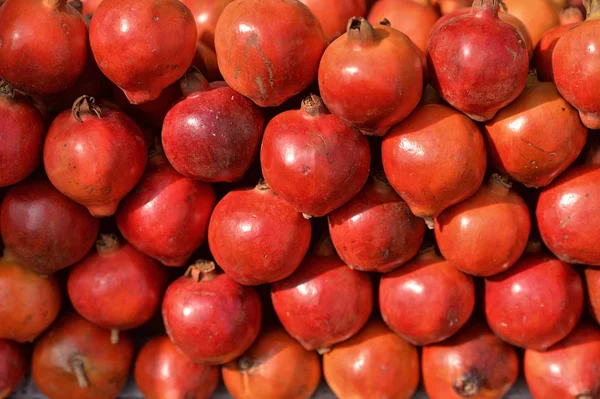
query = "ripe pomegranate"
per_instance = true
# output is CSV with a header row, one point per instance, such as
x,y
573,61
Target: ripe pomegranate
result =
x,y
570,369
375,363
111,139
206,14
535,303
334,15
276,366
538,16
162,372
43,229
209,317
434,159
372,96
477,62
143,46
44,45
542,56
213,134
259,67
22,131
472,364
571,15
75,359
13,366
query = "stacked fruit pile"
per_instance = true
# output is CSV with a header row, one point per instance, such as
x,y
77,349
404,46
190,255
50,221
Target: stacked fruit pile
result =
x,y
280,189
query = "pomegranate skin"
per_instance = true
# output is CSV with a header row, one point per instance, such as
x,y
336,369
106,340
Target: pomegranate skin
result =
x,y
375,231
206,14
568,213
542,55
434,159
45,230
477,62
472,364
13,366
334,15
256,237
570,369
113,141
523,144
259,67
375,363
592,284
29,303
44,45
209,317
162,372
143,46
534,304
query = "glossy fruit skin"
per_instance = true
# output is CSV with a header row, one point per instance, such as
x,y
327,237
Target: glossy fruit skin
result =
x,y
538,16
162,372
45,230
570,369
375,231
434,138
72,337
334,15
542,56
472,359
206,14
13,366
535,303
592,284
44,45
427,300
134,57
29,303
276,366
375,363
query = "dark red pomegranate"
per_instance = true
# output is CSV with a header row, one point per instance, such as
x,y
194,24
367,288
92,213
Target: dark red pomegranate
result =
x,y
162,372
13,366
542,56
313,160
206,13
434,159
334,15
44,230
209,317
75,359
472,364
43,45
478,62
269,50
143,46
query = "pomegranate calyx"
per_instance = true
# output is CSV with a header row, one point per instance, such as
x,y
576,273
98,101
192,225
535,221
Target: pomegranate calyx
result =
x,y
78,368
313,105
245,363
202,270
468,385
487,7
107,243
262,185
322,351
360,31
592,9
430,222
385,22
85,105
193,82
500,184
6,90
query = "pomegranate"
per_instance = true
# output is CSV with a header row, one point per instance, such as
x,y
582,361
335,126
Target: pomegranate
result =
x,y
206,14
22,131
13,366
477,62
107,136
537,15
434,159
44,230
143,46
162,372
334,15
152,112
209,317
472,364
542,56
571,15
259,67
570,369
75,358
44,45
276,366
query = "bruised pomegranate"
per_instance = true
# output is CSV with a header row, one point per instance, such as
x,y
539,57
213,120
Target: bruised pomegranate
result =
x,y
13,366
162,372
592,284
334,15
472,364
538,16
75,359
276,366
375,363
206,14
268,50
434,159
477,62
44,230
209,317
542,56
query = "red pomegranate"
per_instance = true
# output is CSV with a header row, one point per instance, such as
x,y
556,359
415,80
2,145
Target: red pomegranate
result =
x,y
313,160
472,364
478,62
13,366
334,15
22,131
75,359
375,363
162,372
592,284
434,159
44,230
209,317
206,13
143,46
44,45
542,56
268,50
538,15
111,139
